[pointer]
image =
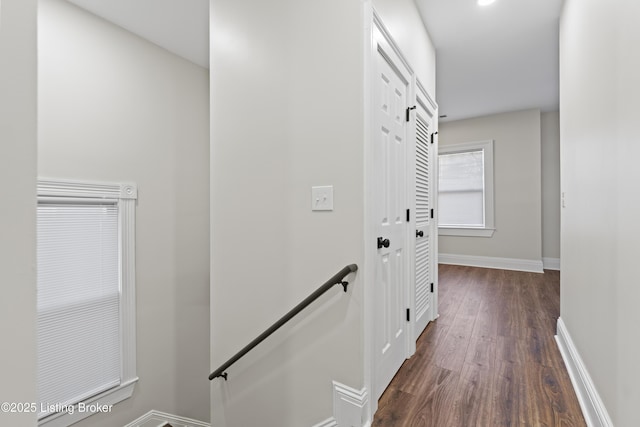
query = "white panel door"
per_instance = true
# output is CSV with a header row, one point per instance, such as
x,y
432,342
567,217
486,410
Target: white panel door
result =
x,y
424,194
390,156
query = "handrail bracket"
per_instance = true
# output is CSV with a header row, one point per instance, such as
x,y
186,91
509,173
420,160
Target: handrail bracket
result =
x,y
344,285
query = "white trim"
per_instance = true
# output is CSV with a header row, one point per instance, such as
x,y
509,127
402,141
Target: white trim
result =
x,y
551,263
126,195
161,417
486,146
386,34
468,232
433,104
383,45
105,400
593,409
373,23
329,422
530,265
62,188
368,270
128,284
434,201
350,406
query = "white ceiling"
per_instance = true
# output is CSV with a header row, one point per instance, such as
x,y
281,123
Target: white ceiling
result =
x,y
492,59
180,26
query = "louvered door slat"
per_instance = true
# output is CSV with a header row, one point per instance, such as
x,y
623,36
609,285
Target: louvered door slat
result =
x,y
423,221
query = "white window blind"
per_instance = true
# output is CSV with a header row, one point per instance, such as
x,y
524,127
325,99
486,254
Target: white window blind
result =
x,y
79,344
461,191
465,193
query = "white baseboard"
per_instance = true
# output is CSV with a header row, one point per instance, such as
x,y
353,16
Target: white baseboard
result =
x,y
329,422
350,406
593,408
158,419
551,263
530,265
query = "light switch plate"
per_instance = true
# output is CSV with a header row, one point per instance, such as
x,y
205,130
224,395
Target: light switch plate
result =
x,y
322,198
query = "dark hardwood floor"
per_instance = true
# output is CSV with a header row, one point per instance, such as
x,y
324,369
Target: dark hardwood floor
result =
x,y
490,359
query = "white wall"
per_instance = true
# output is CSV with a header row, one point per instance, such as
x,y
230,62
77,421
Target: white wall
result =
x,y
550,141
403,20
113,107
517,184
599,89
17,217
286,114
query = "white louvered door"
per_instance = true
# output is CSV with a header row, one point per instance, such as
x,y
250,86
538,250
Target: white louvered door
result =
x,y
424,242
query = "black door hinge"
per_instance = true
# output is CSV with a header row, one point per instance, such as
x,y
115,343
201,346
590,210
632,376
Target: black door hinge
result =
x,y
408,315
433,136
408,215
431,213
409,112
432,287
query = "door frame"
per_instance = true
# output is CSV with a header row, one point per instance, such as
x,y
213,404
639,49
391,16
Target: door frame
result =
x,y
375,32
386,57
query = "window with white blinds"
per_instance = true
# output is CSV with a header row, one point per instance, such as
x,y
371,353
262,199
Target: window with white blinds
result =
x,y
78,302
84,301
465,189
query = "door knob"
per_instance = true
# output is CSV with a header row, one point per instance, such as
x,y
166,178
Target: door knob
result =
x,y
383,243
419,233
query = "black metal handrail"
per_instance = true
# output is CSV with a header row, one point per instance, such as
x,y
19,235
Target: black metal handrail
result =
x,y
337,279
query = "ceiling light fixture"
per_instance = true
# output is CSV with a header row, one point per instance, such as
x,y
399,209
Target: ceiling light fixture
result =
x,y
485,2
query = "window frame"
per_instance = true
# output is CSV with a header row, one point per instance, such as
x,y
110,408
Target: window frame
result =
x,y
488,229
126,195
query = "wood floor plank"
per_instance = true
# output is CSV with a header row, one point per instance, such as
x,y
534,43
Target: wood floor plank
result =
x,y
481,353
509,349
411,377
473,407
490,359
486,324
450,354
436,404
393,407
509,400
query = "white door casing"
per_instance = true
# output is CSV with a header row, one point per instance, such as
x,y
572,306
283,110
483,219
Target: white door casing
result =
x,y
390,101
385,350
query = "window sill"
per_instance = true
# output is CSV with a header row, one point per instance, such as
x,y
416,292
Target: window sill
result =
x,y
466,232
101,403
